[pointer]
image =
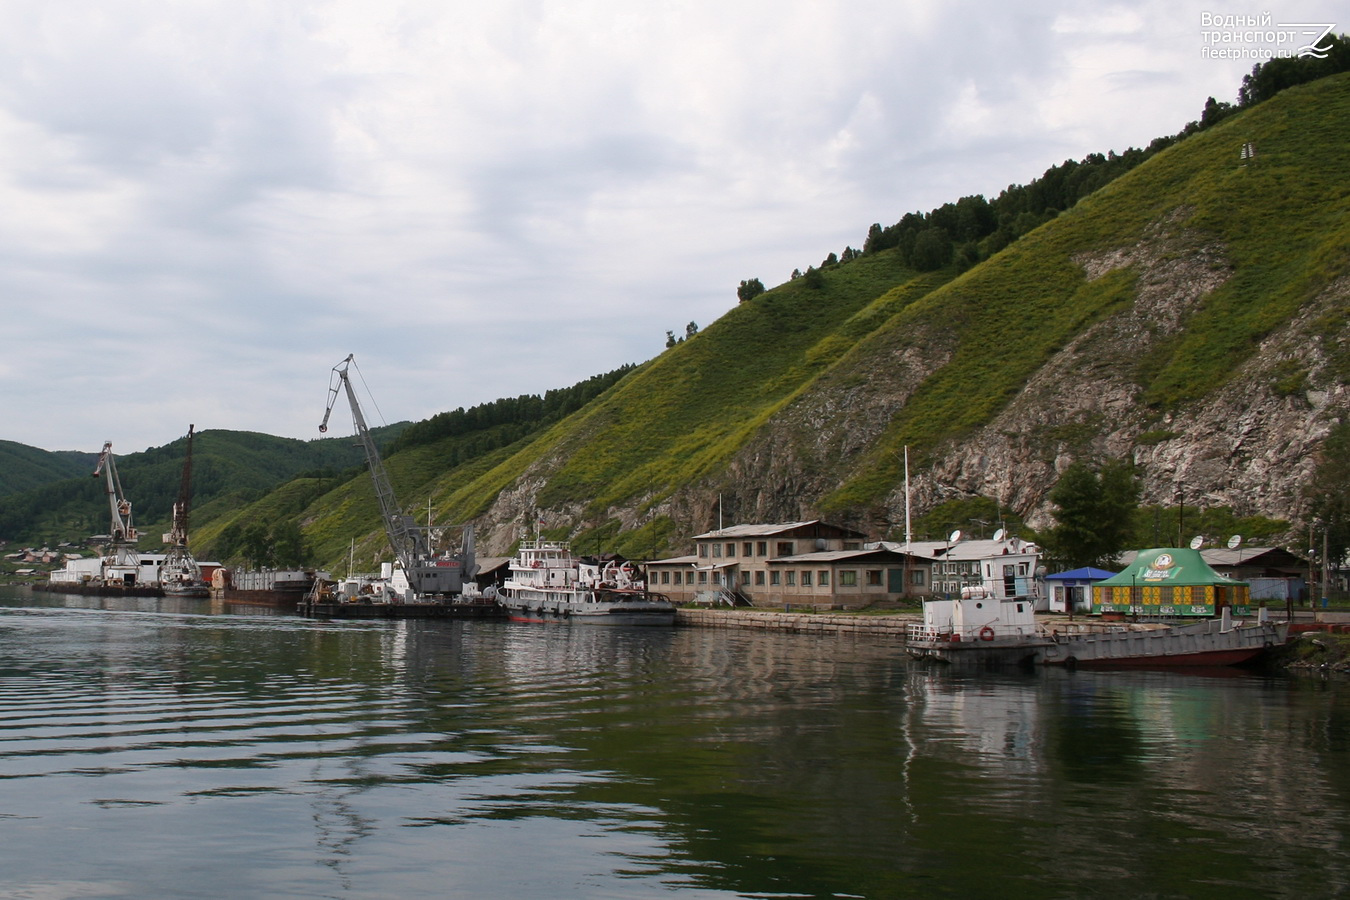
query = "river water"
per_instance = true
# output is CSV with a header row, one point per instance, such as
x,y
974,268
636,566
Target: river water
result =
x,y
162,748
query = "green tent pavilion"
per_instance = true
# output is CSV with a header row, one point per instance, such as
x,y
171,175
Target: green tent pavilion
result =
x,y
1170,581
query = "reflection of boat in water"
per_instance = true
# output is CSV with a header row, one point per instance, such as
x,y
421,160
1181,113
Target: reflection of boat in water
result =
x,y
986,632
547,582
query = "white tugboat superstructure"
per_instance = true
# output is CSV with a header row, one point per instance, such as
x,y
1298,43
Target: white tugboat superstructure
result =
x,y
547,582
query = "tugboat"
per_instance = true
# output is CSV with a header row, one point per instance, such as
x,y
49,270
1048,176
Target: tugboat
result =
x,y
548,583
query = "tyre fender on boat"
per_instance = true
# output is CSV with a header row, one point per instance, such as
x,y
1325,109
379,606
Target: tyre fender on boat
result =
x,y
986,633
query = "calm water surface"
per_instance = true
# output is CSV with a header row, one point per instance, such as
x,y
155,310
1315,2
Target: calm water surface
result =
x,y
162,748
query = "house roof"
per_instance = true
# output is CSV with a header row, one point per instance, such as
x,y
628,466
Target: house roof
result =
x,y
1086,573
1168,565
1269,557
815,527
964,550
832,556
690,560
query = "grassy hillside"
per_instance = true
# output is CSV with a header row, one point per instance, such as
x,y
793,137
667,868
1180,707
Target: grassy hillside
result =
x,y
682,415
1284,222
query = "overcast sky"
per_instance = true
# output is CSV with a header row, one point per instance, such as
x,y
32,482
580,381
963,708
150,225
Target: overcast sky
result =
x,y
208,205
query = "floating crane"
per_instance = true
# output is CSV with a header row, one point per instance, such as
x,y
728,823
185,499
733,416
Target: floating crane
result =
x,y
121,564
429,576
179,574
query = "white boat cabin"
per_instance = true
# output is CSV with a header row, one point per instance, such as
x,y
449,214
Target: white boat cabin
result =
x,y
977,615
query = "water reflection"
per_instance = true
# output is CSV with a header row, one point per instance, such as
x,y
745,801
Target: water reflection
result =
x,y
146,748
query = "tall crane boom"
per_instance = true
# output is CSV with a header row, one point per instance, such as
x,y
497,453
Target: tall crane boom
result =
x,y
405,537
426,575
119,506
178,531
121,563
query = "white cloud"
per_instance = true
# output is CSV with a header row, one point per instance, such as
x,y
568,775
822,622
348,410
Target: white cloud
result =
x,y
209,204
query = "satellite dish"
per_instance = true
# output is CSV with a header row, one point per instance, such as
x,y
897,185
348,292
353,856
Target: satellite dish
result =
x,y
954,536
1000,534
1234,542
1197,542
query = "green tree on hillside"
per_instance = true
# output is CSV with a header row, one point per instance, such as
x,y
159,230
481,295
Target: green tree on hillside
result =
x,y
1094,514
1328,492
750,289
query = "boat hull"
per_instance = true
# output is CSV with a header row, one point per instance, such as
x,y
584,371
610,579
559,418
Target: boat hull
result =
x,y
1204,644
1207,643
586,608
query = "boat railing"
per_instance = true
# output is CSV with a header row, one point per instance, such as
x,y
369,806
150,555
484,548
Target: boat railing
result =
x,y
919,631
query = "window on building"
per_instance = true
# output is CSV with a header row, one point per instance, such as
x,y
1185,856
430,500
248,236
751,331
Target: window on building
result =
x,y
848,578
775,578
702,577
792,579
665,578
873,577
762,548
677,577
745,578
823,577
916,577
717,551
852,545
703,550
759,578
785,548
745,549
731,550
806,579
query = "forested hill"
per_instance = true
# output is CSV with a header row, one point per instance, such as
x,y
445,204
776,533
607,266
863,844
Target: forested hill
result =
x,y
23,468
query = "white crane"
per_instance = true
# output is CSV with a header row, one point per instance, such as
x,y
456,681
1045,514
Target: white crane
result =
x,y
429,576
121,564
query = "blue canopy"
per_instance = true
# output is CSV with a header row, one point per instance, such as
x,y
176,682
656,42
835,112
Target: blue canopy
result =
x,y
1087,573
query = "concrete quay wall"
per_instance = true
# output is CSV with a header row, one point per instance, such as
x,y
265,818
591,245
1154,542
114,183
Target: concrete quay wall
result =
x,y
884,628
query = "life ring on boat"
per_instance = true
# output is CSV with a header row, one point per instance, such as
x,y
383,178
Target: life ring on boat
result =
x,y
536,565
986,633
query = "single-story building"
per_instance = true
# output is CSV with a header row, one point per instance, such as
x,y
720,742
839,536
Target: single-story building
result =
x,y
1071,591
791,564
